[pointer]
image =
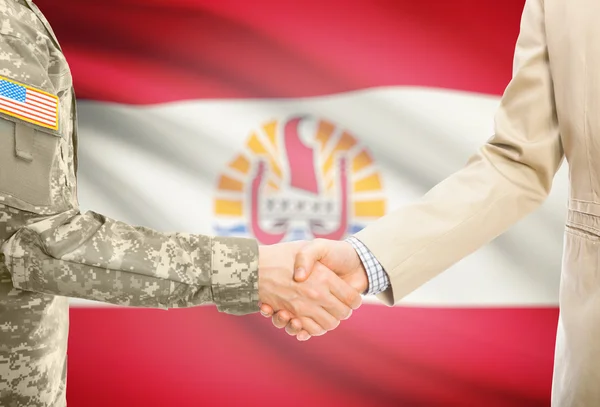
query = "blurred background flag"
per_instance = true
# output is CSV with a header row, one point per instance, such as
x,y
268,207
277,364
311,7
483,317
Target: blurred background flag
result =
x,y
322,116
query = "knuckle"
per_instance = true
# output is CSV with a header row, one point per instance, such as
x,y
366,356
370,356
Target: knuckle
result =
x,y
323,278
313,293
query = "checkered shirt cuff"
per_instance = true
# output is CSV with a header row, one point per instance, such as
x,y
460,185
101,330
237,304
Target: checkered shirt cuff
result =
x,y
378,278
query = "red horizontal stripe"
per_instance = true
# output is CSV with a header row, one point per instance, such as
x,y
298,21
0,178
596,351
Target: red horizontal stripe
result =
x,y
49,113
43,101
24,110
10,107
42,97
51,110
166,50
379,357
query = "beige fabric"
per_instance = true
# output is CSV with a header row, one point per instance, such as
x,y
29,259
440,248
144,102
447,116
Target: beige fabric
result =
x,y
550,109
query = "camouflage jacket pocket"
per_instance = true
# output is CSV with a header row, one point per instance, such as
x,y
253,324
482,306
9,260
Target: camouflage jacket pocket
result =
x,y
30,173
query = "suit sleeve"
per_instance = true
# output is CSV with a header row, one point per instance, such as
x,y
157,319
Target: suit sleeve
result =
x,y
508,178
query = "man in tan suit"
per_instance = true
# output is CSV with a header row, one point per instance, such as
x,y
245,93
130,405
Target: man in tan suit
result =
x,y
550,109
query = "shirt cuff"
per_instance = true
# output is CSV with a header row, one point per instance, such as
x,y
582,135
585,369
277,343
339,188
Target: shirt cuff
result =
x,y
378,279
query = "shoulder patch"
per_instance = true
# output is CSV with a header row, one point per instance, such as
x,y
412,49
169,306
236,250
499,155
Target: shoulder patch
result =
x,y
29,104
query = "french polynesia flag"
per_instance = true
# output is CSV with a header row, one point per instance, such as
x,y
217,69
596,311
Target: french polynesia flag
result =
x,y
192,110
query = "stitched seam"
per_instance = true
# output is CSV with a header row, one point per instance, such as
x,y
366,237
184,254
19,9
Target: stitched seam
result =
x,y
582,226
583,235
48,206
215,294
583,213
584,201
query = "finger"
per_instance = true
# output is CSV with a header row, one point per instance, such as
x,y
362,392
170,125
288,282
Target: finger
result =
x,y
306,259
311,327
345,293
281,319
323,318
266,310
294,327
336,308
303,336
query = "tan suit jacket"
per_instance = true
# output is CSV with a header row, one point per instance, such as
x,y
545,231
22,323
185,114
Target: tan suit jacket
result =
x,y
550,110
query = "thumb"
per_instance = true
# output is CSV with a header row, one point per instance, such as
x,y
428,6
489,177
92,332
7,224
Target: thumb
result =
x,y
306,259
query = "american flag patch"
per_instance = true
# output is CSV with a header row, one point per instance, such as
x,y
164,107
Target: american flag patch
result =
x,y
29,104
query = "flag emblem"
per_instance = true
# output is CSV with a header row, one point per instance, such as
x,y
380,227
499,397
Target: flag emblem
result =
x,y
28,104
300,177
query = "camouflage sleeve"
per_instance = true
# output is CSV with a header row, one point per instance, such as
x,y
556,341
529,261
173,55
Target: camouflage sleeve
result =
x,y
93,257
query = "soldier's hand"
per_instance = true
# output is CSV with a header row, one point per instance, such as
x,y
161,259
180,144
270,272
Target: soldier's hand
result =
x,y
317,304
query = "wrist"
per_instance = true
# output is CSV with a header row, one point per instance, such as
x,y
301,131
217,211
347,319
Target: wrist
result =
x,y
362,279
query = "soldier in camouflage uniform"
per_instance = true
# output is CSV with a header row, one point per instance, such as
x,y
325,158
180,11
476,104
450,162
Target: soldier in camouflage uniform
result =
x,y
51,251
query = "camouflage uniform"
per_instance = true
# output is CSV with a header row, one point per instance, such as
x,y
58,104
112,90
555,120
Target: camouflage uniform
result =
x,y
51,251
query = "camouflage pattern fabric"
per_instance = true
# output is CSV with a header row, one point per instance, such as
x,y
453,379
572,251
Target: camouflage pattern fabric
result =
x,y
50,250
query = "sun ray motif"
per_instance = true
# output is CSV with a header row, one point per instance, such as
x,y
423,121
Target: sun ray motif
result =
x,y
361,160
369,209
227,207
270,130
369,183
324,132
230,184
240,164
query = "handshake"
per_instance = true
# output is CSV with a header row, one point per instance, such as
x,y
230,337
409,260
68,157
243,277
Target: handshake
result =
x,y
309,287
